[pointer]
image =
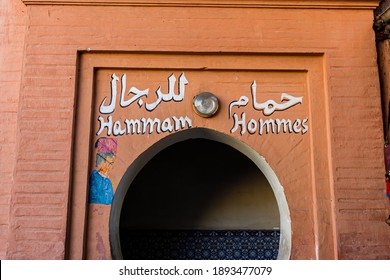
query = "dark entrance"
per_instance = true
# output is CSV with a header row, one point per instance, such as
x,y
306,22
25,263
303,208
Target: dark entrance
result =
x,y
199,199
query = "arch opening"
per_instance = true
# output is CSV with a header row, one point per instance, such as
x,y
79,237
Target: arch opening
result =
x,y
200,194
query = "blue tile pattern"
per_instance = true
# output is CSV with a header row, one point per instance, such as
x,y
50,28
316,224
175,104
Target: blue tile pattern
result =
x,y
200,244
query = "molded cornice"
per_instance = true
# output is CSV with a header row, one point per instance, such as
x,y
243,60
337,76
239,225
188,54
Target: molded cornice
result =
x,y
302,4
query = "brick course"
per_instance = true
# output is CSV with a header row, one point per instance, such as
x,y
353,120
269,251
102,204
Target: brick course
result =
x,y
12,35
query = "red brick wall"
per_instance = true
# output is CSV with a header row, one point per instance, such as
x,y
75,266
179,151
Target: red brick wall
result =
x,y
55,34
12,34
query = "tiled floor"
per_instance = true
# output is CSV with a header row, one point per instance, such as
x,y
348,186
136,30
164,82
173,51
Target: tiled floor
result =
x,y
200,244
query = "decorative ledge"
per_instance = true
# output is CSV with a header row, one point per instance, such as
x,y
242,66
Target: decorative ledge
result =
x,y
293,4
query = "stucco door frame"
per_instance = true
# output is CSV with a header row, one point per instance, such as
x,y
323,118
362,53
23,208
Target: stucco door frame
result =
x,y
319,241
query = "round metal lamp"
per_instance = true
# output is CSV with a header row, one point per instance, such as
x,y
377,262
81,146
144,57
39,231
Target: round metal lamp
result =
x,y
205,104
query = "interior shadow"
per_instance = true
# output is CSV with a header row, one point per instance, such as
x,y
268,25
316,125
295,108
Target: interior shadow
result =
x,y
199,199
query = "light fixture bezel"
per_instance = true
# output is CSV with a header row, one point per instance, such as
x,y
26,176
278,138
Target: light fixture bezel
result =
x,y
206,94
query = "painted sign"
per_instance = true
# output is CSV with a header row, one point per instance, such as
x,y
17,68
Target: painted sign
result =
x,y
142,125
260,126
100,185
120,96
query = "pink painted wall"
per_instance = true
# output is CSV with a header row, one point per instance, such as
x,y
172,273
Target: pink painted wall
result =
x,y
39,50
12,35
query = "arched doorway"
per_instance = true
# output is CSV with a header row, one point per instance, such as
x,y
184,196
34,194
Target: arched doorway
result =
x,y
200,194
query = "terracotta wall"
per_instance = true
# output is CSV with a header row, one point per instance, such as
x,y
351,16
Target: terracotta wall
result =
x,y
55,35
12,34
